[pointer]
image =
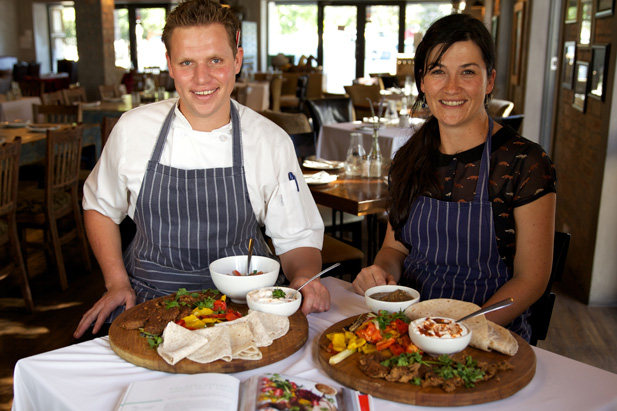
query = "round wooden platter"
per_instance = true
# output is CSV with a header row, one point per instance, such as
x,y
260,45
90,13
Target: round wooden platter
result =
x,y
132,347
347,373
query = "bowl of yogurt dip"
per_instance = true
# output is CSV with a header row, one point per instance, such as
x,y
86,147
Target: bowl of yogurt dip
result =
x,y
274,300
439,335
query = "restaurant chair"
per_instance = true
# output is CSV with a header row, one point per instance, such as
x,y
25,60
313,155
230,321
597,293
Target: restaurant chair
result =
x,y
52,98
9,175
542,309
49,209
500,108
69,67
294,102
67,114
20,71
329,111
107,125
359,97
108,91
292,123
276,84
31,88
74,95
515,121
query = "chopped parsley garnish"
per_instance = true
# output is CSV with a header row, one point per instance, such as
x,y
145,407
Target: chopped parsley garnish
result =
x,y
153,339
384,318
278,293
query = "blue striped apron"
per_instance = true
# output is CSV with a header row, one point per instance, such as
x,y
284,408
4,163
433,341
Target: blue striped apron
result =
x,y
453,249
186,219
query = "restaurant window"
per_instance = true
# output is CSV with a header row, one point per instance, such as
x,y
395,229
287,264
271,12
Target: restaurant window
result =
x,y
62,34
418,18
292,31
137,35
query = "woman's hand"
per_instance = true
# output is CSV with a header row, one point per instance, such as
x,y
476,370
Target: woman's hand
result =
x,y
102,309
371,277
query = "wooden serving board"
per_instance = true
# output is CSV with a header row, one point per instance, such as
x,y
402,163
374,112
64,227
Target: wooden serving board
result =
x,y
132,347
347,373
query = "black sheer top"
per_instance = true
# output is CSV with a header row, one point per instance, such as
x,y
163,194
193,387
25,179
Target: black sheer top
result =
x,y
520,172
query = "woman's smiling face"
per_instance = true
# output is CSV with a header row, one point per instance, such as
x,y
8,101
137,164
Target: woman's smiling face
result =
x,y
455,88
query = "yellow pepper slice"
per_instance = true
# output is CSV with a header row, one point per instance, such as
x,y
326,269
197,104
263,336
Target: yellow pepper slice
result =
x,y
193,322
356,343
202,311
338,342
368,348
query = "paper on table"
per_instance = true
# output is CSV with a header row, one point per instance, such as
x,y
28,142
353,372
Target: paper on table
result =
x,y
319,178
323,164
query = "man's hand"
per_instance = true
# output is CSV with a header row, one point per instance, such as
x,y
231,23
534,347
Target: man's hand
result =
x,y
103,307
370,277
315,297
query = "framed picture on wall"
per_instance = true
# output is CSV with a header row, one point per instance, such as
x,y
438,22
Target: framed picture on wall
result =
x,y
572,11
581,74
605,8
599,66
569,56
584,38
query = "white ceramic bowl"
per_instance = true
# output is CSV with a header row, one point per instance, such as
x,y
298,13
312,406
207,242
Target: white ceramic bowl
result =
x,y
236,287
434,345
391,307
283,307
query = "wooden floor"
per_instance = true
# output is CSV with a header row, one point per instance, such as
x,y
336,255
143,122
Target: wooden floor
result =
x,y
586,334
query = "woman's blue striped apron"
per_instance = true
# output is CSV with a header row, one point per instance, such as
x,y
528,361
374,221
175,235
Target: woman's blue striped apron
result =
x,y
453,249
188,218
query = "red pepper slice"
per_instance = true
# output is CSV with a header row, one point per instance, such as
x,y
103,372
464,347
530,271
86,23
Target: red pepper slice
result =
x,y
219,305
396,349
383,344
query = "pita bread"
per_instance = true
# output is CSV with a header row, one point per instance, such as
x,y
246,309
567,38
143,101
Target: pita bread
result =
x,y
264,327
486,335
218,347
242,342
179,342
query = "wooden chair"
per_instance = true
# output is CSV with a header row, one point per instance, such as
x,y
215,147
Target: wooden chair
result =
x,y
67,114
360,94
294,102
292,123
107,125
52,98
9,175
31,88
276,84
542,309
74,95
107,91
43,209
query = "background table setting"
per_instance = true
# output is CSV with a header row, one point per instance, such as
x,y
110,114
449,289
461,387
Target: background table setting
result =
x,y
20,109
90,375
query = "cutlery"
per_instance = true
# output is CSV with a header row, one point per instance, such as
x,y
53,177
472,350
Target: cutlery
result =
x,y
250,254
492,307
315,276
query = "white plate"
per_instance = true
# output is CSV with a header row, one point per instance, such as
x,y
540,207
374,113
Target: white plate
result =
x,y
41,128
91,104
15,124
319,178
323,164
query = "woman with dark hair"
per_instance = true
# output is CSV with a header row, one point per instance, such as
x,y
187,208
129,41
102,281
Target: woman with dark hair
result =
x,y
471,203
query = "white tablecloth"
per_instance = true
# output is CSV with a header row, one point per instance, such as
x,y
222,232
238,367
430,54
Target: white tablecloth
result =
x,y
90,376
18,109
334,139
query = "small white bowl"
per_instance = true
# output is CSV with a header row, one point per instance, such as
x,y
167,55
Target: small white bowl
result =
x,y
236,287
389,306
259,300
434,345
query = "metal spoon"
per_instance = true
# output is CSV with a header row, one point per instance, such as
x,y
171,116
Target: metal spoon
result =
x,y
315,276
250,253
492,307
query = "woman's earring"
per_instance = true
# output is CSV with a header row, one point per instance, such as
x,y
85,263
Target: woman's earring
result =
x,y
424,105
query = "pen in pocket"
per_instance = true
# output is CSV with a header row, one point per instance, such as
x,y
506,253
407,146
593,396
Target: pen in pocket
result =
x,y
293,177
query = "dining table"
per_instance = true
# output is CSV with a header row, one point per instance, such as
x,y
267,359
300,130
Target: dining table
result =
x,y
20,109
89,375
361,196
34,139
334,139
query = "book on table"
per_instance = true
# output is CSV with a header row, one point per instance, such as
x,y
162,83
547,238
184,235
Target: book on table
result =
x,y
225,392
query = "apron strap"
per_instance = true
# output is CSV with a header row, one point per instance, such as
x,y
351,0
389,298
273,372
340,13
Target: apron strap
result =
x,y
485,164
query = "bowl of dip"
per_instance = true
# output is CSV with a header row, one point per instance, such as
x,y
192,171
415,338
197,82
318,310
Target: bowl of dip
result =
x,y
439,335
230,277
274,300
391,298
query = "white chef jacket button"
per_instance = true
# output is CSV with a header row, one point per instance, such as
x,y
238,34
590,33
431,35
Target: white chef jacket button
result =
x,y
223,138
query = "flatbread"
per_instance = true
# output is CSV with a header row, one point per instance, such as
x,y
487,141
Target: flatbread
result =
x,y
179,342
264,327
218,347
486,335
242,342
